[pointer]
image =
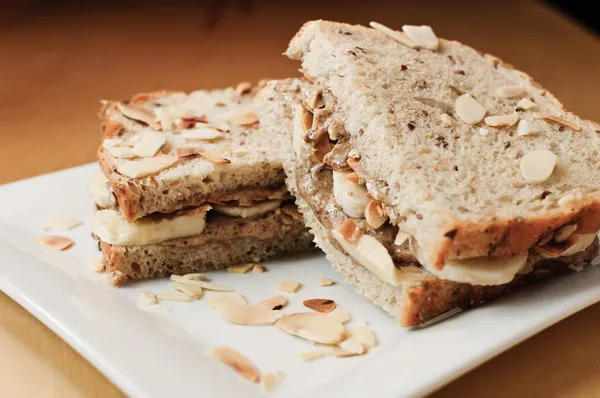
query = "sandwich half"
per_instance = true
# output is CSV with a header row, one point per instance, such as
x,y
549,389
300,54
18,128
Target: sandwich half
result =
x,y
435,177
190,183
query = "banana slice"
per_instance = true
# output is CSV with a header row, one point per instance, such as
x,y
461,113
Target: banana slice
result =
x,y
254,211
350,196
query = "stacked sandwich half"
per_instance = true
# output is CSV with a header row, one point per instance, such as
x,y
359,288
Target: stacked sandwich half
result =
x,y
189,183
433,176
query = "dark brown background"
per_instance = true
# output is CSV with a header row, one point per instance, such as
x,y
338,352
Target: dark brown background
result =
x,y
57,62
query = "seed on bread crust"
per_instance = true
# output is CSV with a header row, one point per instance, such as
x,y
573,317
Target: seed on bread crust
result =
x,y
375,214
56,242
243,88
400,37
324,306
234,359
140,114
351,231
502,120
557,120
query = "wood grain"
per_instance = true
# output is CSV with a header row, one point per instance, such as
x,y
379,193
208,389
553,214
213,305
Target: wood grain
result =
x,y
57,64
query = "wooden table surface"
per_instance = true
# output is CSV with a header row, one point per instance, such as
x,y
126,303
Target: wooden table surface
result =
x,y
55,66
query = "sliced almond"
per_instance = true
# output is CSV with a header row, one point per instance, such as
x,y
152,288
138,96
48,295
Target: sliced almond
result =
x,y
351,231
339,314
564,232
233,296
196,276
56,242
319,353
237,361
98,264
351,346
243,314
313,326
545,239
214,157
174,295
111,128
468,109
558,120
259,268
289,286
149,297
187,122
326,282
401,238
149,144
189,151
243,88
502,120
537,166
525,104
240,268
194,292
374,214
247,119
273,303
365,335
146,166
435,103
422,36
140,114
527,127
121,152
510,91
64,224
201,133
398,36
134,139
446,120
202,284
324,306
270,381
112,142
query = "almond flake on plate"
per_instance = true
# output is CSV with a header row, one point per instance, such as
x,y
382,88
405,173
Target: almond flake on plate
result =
x,y
233,296
525,104
64,224
194,292
140,114
259,268
146,166
149,144
365,335
201,133
537,166
400,37
173,295
240,268
319,353
527,127
422,36
237,361
246,119
313,326
502,120
339,314
351,346
97,264
202,284
196,276
273,303
149,297
121,152
289,286
510,91
558,120
270,381
468,109
324,306
243,314
326,282
56,242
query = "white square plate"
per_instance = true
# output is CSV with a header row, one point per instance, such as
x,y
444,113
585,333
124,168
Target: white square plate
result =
x,y
163,354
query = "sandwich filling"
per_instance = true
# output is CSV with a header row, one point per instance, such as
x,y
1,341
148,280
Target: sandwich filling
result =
x,y
358,223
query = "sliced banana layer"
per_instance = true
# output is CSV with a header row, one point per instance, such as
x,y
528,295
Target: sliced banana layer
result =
x,y
256,210
350,196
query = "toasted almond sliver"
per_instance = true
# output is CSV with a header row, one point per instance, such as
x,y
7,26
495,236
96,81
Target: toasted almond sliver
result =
x,y
146,166
64,224
273,303
149,144
400,37
326,282
319,353
214,157
422,36
243,88
351,231
468,109
202,284
56,242
247,119
502,120
525,104
242,314
527,127
259,268
374,214
149,297
352,162
313,326
237,361
324,306
121,152
196,276
270,381
339,314
233,296
140,114
173,295
97,264
365,335
353,177
201,133
194,292
240,268
555,119
352,346
537,166
510,91
289,286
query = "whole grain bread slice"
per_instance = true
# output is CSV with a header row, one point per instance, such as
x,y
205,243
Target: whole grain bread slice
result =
x,y
450,178
213,147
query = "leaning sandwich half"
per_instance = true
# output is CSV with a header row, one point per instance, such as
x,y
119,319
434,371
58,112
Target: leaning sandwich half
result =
x,y
189,183
433,176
